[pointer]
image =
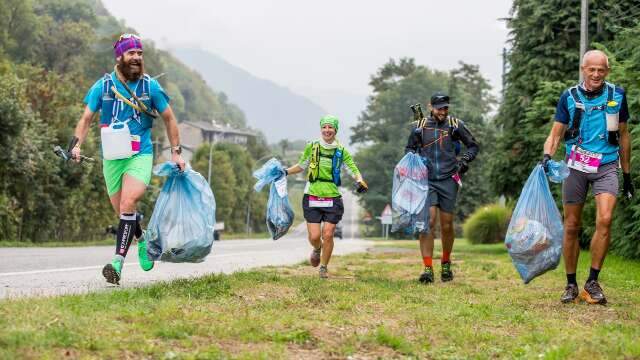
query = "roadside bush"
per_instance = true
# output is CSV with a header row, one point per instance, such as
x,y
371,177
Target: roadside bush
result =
x,y
487,225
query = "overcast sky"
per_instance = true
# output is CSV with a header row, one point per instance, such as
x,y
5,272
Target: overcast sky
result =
x,y
317,46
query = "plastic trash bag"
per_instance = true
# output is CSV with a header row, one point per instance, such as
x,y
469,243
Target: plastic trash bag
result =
x,y
557,171
279,213
409,195
534,236
181,226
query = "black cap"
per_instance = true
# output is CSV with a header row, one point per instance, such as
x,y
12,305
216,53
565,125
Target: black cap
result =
x,y
439,100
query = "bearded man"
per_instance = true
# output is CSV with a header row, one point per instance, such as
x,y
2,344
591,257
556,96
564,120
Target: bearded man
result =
x,y
128,100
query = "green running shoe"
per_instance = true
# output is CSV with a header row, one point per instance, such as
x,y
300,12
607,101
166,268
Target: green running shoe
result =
x,y
446,274
143,258
112,271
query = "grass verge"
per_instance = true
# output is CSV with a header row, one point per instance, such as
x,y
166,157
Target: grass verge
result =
x,y
371,307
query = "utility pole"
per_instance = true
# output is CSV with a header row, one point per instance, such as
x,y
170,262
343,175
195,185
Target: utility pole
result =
x,y
584,33
248,220
210,156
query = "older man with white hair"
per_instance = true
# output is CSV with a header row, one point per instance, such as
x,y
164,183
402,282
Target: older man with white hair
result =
x,y
592,118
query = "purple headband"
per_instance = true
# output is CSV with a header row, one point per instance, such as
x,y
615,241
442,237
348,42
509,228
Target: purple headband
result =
x,y
125,43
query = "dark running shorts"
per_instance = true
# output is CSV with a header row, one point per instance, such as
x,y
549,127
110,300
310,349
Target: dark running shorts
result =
x,y
575,187
316,215
443,194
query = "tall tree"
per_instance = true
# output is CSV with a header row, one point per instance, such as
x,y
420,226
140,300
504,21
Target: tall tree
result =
x,y
384,127
544,38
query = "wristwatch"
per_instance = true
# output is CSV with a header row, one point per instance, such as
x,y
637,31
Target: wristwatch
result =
x,y
176,149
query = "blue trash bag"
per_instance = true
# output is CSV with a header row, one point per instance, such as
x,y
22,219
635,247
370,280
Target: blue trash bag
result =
x,y
279,212
409,195
181,226
534,235
557,171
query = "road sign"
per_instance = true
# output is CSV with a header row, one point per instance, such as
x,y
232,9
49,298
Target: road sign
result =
x,y
385,217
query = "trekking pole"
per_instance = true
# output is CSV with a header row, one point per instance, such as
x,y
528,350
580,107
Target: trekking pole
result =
x,y
66,155
418,115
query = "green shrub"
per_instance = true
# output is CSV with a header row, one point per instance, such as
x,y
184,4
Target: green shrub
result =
x,y
487,225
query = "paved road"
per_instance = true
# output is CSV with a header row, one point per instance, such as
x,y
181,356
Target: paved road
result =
x,y
58,271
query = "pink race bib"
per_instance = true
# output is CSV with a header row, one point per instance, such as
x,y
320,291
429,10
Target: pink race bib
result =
x,y
584,161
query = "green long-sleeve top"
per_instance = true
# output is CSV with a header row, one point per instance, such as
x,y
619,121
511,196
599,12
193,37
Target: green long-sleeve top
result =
x,y
324,188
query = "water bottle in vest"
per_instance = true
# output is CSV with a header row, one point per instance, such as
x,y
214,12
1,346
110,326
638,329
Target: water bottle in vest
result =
x,y
613,121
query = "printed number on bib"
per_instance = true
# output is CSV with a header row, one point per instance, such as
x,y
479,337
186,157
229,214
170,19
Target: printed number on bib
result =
x,y
318,202
583,160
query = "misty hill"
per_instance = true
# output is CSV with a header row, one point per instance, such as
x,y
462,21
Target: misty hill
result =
x,y
275,110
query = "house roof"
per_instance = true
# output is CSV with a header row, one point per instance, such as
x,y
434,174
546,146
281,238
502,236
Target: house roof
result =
x,y
214,127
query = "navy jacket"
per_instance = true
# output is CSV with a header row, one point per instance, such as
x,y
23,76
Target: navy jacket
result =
x,y
436,143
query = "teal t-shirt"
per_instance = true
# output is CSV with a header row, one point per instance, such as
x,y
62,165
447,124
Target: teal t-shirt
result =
x,y
159,101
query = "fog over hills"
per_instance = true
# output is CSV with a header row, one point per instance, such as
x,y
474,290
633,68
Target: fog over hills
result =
x,y
275,110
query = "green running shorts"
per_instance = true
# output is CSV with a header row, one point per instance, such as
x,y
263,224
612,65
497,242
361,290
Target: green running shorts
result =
x,y
138,166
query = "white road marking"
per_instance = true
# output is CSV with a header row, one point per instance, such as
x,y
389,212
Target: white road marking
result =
x,y
33,272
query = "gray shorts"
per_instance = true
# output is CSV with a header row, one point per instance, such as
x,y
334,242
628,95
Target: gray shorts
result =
x,y
443,194
575,187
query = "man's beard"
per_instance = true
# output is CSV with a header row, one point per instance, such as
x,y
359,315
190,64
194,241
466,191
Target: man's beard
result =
x,y
439,118
129,73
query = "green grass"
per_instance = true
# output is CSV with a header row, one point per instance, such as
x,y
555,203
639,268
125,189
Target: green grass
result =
x,y
371,307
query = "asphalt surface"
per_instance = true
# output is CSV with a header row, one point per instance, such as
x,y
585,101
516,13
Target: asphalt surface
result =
x,y
58,271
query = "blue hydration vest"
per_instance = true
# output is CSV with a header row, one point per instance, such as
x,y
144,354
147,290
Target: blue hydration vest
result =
x,y
588,122
336,164
112,106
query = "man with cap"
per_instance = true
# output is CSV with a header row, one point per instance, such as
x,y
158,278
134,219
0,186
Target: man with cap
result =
x,y
436,140
128,101
322,202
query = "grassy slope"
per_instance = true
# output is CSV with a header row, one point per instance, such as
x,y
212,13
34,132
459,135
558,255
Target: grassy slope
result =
x,y
371,307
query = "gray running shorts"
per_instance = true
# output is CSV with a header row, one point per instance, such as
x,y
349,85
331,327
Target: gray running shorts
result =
x,y
575,187
443,194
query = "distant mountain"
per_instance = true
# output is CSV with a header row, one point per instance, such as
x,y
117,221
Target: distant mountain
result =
x,y
275,110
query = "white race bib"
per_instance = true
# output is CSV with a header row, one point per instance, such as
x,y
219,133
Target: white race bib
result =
x,y
318,202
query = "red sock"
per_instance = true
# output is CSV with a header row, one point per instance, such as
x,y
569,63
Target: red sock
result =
x,y
427,261
445,257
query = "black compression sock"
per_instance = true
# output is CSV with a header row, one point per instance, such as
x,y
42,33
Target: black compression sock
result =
x,y
125,233
593,274
571,279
